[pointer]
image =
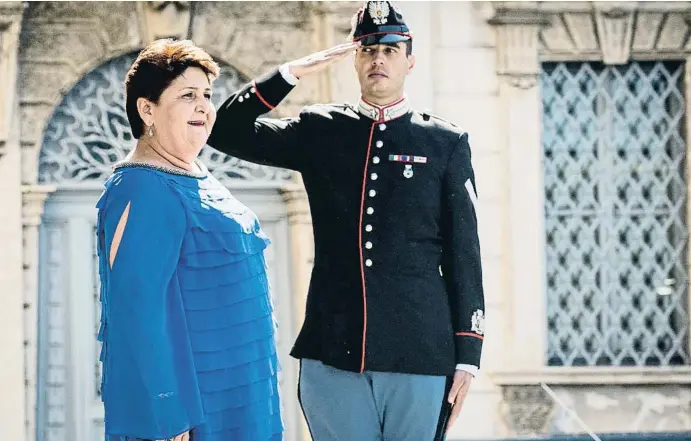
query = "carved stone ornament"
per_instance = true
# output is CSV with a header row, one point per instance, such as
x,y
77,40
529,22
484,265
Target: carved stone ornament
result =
x,y
528,409
518,25
163,19
615,29
10,23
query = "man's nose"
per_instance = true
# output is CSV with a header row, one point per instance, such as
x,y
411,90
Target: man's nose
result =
x,y
378,59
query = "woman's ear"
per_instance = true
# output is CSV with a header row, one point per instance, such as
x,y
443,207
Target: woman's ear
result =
x,y
146,111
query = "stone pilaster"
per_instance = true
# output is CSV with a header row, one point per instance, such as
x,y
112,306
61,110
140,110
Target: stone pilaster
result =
x,y
12,408
34,197
10,23
519,121
301,257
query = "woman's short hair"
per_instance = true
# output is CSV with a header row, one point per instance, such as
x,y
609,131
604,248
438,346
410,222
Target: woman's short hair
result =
x,y
158,65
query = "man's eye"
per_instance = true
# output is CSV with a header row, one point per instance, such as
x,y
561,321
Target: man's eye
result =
x,y
188,95
207,96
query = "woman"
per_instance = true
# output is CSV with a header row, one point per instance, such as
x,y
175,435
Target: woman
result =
x,y
187,325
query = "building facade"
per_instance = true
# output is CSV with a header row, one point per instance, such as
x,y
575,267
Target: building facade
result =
x,y
578,119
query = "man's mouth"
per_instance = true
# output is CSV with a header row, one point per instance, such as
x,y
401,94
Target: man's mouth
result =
x,y
196,123
377,75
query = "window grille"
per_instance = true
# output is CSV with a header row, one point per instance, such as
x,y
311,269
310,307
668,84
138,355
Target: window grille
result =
x,y
615,207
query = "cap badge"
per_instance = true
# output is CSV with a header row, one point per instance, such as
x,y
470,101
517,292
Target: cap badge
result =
x,y
379,11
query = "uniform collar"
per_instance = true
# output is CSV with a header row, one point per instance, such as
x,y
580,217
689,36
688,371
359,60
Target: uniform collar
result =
x,y
384,113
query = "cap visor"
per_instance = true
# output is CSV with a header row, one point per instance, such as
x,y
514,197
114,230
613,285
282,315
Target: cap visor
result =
x,y
383,39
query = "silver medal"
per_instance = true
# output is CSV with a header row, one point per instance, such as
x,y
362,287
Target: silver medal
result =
x,y
408,171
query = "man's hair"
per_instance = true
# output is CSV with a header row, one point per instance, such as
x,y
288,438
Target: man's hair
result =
x,y
158,65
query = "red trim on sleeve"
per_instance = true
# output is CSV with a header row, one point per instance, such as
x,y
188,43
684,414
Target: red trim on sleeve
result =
x,y
470,334
261,98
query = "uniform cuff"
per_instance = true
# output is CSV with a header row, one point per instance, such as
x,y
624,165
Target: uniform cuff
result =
x,y
289,77
469,368
269,89
468,347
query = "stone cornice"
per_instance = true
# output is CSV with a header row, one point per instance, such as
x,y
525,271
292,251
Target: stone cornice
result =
x,y
518,13
531,32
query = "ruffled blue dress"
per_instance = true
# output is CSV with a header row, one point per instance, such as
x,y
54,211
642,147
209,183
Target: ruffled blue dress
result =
x,y
187,325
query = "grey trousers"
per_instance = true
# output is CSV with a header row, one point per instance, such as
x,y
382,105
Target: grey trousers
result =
x,y
372,406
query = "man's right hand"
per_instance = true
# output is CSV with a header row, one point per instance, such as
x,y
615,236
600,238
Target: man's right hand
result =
x,y
319,61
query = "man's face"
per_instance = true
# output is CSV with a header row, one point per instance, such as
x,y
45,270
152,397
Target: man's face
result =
x,y
381,70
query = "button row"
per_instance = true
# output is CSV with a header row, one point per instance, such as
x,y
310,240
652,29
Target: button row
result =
x,y
372,193
247,95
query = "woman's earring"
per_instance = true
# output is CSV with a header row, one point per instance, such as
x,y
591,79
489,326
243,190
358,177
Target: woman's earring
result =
x,y
151,131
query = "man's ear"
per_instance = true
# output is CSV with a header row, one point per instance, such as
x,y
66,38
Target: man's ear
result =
x,y
411,62
146,111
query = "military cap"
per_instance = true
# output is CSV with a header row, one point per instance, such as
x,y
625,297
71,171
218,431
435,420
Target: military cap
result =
x,y
379,22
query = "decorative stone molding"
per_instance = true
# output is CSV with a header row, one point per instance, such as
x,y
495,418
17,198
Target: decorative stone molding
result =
x,y
611,32
34,197
518,26
615,32
615,29
10,24
527,409
163,19
297,205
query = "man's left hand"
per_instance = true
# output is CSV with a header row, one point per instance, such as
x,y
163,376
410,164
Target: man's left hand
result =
x,y
459,390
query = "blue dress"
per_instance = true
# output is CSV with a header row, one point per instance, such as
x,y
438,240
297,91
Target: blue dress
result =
x,y
187,326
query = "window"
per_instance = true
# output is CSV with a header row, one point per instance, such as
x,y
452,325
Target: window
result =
x,y
615,207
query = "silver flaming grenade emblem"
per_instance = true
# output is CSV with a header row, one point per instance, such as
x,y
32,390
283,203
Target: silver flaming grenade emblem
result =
x,y
379,11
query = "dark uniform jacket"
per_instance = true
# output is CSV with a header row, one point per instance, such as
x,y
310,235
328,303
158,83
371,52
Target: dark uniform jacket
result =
x,y
392,199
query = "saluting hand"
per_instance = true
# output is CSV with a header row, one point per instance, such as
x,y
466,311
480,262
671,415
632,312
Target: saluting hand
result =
x,y
319,61
459,390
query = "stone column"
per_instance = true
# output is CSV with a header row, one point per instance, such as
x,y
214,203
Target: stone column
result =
x,y
12,408
34,197
519,121
301,257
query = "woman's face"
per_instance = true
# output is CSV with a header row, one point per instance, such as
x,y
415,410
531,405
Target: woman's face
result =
x,y
184,116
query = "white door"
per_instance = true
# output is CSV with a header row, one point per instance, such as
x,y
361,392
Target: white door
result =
x,y
69,406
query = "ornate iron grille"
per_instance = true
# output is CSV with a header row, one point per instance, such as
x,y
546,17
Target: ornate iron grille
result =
x,y
615,207
89,132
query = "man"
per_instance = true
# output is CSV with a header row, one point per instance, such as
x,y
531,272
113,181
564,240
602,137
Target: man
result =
x,y
394,321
